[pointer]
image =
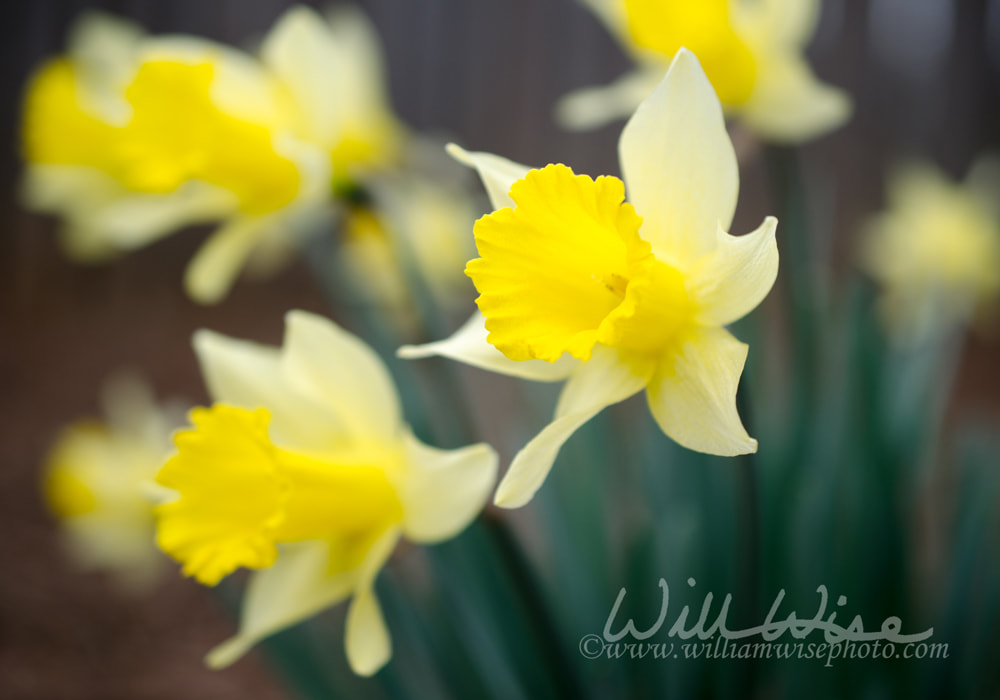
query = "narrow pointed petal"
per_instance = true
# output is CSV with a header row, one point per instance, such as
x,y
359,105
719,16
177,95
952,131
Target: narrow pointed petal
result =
x,y
593,107
469,345
679,165
368,644
442,491
297,587
343,374
733,279
213,270
497,173
693,394
791,105
605,379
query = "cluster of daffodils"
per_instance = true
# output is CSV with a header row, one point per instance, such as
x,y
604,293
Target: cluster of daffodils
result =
x,y
936,250
617,297
129,137
752,51
99,482
303,468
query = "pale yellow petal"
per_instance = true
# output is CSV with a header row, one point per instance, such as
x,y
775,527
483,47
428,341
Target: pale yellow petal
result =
x,y
342,373
497,173
589,108
214,268
468,344
368,644
607,378
788,24
790,104
299,585
679,165
442,491
693,394
249,375
733,279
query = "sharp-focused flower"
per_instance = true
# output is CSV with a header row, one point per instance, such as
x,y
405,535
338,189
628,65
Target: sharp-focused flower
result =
x,y
304,468
131,137
936,249
99,483
575,285
752,51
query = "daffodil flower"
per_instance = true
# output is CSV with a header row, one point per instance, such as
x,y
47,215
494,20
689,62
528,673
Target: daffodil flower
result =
x,y
751,51
99,483
936,249
130,137
577,285
304,469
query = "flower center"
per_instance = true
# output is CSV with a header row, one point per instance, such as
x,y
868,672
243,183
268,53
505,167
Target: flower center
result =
x,y
566,269
240,496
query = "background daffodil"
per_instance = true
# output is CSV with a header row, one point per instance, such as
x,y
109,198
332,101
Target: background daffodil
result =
x,y
752,51
304,468
575,284
99,483
130,137
935,250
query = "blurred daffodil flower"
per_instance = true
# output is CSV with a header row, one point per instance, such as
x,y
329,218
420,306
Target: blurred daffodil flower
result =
x,y
936,249
303,468
99,483
575,286
130,137
752,51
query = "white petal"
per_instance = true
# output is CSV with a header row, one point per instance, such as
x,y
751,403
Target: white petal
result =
x,y
593,107
442,491
693,394
343,373
103,49
605,379
469,345
497,173
216,265
733,279
368,644
249,375
679,165
790,105
787,24
296,587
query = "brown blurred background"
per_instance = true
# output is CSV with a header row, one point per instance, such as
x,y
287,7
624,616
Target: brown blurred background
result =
x,y
925,75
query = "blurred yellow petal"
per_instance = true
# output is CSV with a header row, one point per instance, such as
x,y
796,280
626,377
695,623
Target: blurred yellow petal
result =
x,y
368,644
607,378
442,491
693,394
590,108
704,27
469,345
679,165
214,268
733,279
344,374
790,105
551,269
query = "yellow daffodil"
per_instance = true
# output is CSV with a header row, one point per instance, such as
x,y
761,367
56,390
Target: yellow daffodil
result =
x,y
99,484
936,249
577,285
332,71
304,469
751,50
130,137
